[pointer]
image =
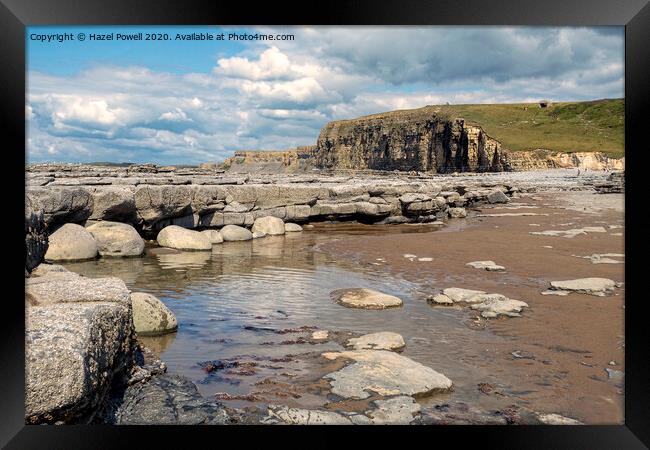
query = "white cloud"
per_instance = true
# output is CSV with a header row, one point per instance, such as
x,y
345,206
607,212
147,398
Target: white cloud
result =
x,y
272,64
278,96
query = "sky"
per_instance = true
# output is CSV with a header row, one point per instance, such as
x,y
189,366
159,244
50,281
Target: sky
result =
x,y
189,101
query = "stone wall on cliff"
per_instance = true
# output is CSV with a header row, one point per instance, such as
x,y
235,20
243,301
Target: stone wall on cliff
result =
x,y
411,140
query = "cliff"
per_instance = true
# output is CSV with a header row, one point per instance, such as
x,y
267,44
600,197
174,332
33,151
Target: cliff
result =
x,y
424,139
259,161
546,159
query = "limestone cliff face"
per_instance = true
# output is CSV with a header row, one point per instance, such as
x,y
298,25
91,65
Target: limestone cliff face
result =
x,y
421,139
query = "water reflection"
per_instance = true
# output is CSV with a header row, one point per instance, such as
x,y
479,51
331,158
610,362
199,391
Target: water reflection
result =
x,y
183,261
158,344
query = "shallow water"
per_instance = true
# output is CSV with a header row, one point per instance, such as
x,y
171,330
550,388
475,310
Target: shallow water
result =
x,y
238,301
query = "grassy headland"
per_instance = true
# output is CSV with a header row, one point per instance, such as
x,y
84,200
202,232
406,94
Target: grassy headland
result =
x,y
596,125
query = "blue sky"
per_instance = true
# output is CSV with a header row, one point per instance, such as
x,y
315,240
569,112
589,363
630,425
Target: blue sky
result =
x,y
184,102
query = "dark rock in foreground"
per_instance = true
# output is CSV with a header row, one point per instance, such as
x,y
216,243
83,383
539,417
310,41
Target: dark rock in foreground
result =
x,y
169,400
36,240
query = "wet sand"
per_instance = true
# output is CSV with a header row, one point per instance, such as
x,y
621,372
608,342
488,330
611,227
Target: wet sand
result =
x,y
562,345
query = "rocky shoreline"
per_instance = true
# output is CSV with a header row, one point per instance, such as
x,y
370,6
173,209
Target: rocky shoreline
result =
x,y
85,330
151,197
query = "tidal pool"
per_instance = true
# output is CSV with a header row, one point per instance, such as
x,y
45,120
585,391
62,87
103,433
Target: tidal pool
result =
x,y
256,302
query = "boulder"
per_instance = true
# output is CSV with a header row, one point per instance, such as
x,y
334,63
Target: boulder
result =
x,y
457,213
71,242
73,356
269,225
384,340
213,236
365,299
259,234
116,239
497,196
385,373
292,227
150,316
235,233
181,238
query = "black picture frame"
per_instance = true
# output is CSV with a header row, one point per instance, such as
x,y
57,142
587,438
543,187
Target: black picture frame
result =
x,y
15,15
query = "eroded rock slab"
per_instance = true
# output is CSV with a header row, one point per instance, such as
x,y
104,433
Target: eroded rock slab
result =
x,y
557,419
604,258
494,305
298,416
490,266
69,287
490,305
386,373
365,299
571,233
591,286
462,295
384,340
399,410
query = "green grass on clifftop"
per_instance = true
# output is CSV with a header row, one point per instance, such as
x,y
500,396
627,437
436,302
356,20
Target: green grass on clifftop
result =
x,y
567,127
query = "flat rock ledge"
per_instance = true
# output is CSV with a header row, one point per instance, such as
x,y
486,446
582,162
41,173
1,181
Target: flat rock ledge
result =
x,y
489,305
385,373
600,287
365,299
79,342
197,199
